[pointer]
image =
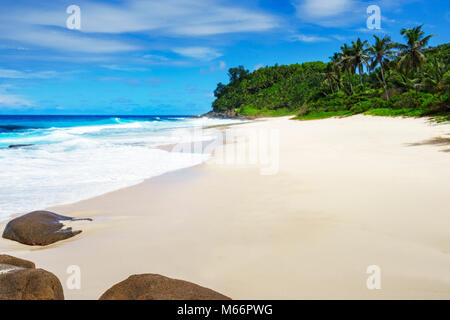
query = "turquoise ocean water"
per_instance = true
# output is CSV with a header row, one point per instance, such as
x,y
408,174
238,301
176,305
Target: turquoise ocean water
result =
x,y
50,160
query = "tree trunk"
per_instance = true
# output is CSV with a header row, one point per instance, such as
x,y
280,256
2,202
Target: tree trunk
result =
x,y
384,81
360,76
350,82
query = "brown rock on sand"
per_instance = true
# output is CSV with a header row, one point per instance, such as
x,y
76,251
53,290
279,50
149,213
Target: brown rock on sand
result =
x,y
157,287
39,228
19,280
13,261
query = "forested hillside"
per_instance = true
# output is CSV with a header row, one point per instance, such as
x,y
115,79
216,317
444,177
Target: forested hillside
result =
x,y
378,78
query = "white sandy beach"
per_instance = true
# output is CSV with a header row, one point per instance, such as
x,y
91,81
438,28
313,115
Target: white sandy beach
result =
x,y
349,193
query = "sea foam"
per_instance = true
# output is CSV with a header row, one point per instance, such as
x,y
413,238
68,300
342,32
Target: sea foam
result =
x,y
69,164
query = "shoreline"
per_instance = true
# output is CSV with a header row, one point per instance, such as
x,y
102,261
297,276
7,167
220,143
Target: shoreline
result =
x,y
349,193
164,147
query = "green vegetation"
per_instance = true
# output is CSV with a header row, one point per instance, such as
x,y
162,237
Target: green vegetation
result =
x,y
383,78
276,90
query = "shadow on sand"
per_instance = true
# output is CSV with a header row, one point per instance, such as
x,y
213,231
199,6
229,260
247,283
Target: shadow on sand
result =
x,y
437,141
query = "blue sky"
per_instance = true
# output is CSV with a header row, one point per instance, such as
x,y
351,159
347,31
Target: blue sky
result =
x,y
166,57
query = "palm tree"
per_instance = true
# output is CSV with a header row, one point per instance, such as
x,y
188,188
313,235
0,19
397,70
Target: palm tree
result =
x,y
433,74
330,77
412,57
359,57
345,63
335,62
335,58
400,80
382,52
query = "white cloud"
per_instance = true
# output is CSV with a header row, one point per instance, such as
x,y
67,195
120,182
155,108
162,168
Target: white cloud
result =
x,y
324,8
222,65
13,101
116,67
339,13
187,17
16,74
105,26
308,38
341,37
215,67
258,66
65,40
155,57
202,53
330,13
